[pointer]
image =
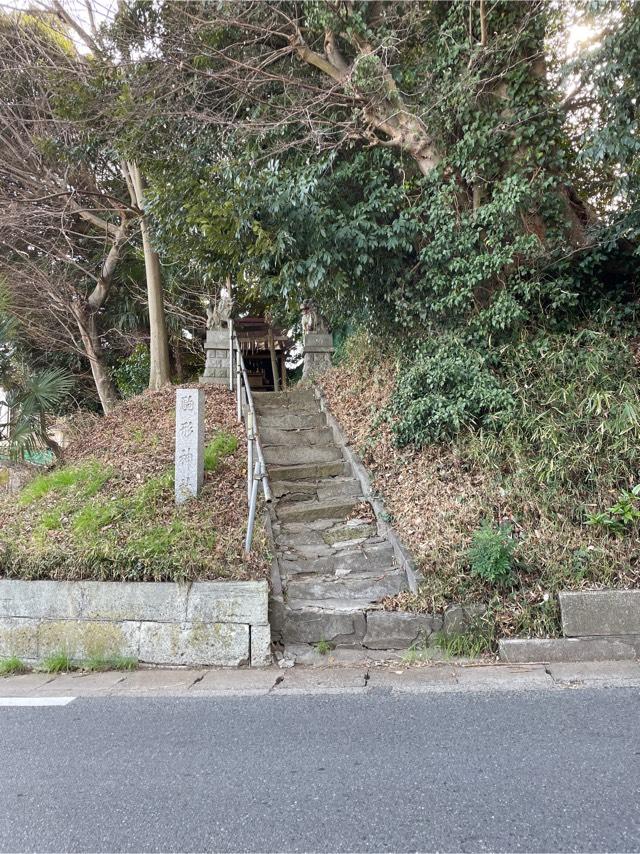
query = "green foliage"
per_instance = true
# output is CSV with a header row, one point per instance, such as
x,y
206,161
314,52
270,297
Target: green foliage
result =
x,y
575,426
85,481
470,644
58,662
218,448
444,387
132,374
491,554
100,663
620,516
12,666
31,400
323,647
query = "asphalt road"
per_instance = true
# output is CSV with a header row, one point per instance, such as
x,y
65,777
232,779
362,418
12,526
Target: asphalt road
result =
x,y
521,771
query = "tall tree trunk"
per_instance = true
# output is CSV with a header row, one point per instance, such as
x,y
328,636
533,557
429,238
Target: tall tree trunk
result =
x,y
87,326
160,368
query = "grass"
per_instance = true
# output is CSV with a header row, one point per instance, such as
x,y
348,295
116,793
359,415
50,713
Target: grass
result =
x,y
58,662
87,480
323,647
98,663
221,446
12,666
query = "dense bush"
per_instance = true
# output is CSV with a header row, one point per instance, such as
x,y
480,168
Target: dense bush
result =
x,y
444,386
132,374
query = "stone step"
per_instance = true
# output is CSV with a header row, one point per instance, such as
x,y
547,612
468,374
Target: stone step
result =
x,y
273,436
309,471
309,511
353,588
312,625
369,559
296,551
291,399
280,455
287,491
285,420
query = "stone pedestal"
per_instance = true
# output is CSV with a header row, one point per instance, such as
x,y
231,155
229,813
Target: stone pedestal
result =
x,y
318,349
216,367
189,472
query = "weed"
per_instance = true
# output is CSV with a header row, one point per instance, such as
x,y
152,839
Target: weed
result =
x,y
221,446
469,644
12,666
323,647
491,553
99,663
620,516
58,662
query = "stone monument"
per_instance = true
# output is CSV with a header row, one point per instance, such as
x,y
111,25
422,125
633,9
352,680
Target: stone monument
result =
x,y
216,345
317,341
189,472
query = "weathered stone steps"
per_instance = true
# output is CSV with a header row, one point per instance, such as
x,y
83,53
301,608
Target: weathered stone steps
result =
x,y
296,436
334,564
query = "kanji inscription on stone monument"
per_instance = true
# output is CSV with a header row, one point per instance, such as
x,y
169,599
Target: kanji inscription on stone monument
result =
x,y
189,443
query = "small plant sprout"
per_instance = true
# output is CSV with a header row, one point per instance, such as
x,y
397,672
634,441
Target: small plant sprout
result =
x,y
491,553
323,647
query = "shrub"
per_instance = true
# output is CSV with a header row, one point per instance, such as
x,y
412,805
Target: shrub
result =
x,y
132,374
491,552
443,388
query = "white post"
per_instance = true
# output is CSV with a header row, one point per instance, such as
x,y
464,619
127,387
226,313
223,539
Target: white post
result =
x,y
189,462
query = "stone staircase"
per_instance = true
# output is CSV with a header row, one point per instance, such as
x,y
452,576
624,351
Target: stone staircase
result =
x,y
333,563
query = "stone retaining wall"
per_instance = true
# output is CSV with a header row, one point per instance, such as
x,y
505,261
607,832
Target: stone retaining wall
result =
x,y
222,623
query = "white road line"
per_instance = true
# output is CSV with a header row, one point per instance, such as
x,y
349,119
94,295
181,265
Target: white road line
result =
x,y
36,701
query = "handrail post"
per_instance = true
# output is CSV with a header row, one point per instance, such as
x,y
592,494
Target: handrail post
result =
x,y
257,476
249,453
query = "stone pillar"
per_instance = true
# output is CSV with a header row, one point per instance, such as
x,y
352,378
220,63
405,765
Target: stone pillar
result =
x,y
318,348
189,471
216,367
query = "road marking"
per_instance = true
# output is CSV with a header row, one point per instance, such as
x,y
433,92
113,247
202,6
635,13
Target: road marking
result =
x,y
36,701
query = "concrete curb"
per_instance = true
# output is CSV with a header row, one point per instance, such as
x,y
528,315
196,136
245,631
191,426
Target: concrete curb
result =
x,y
395,679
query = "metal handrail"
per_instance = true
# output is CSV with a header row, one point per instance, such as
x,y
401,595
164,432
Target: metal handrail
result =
x,y
256,472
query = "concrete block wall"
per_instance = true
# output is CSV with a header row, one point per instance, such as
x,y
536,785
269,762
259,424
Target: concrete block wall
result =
x,y
221,623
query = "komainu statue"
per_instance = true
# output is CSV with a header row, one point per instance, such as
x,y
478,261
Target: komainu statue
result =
x,y
219,310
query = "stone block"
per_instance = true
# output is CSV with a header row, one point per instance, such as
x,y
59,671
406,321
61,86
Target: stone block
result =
x,y
158,601
217,339
312,626
600,612
58,600
229,602
317,342
260,646
398,630
548,650
194,643
19,637
86,639
458,618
